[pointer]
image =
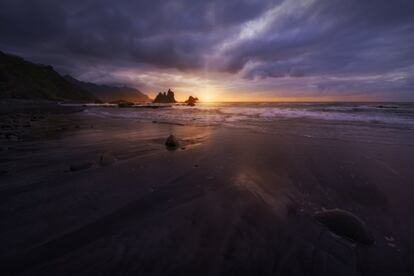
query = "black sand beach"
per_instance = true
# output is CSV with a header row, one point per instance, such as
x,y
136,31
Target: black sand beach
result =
x,y
179,138
84,195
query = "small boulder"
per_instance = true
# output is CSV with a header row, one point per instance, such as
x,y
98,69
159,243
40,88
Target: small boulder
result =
x,y
345,224
172,142
80,166
125,104
106,160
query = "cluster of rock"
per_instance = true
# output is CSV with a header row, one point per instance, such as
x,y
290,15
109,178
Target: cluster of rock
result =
x,y
15,127
165,97
169,97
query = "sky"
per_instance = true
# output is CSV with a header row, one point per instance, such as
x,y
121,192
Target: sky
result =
x,y
233,50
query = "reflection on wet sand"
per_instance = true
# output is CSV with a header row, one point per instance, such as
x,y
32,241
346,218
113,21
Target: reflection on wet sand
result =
x,y
226,201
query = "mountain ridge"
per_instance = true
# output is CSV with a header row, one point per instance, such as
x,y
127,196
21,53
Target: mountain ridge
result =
x,y
108,93
22,79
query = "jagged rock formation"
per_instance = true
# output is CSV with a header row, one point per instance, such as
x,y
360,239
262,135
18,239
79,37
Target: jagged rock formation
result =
x,y
20,79
191,101
165,97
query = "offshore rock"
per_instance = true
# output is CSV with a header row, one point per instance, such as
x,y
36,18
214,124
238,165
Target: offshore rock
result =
x,y
165,97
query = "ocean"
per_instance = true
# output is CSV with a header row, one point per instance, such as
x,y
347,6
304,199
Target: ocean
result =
x,y
395,114
380,122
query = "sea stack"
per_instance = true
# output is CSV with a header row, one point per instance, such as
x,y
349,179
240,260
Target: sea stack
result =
x,y
191,101
165,97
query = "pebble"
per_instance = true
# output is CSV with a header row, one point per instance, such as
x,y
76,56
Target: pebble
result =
x,y
80,166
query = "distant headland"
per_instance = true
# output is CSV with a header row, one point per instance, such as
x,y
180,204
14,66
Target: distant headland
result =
x,y
21,79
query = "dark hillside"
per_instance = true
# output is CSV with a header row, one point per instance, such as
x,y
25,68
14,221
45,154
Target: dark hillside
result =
x,y
21,79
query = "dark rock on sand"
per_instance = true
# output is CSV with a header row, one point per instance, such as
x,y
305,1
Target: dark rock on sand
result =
x,y
106,160
80,166
345,224
172,142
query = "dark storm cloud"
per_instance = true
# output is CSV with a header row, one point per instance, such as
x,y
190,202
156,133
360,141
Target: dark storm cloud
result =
x,y
319,45
330,37
165,33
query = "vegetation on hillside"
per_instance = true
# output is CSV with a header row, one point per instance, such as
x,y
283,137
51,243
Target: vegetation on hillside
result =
x,y
25,80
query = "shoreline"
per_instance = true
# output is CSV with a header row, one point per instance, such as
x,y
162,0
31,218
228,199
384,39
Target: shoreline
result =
x,y
228,201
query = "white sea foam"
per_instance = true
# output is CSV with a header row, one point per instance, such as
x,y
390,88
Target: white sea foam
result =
x,y
396,114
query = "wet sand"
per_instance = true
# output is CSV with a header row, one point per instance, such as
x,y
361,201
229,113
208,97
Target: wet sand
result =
x,y
228,201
